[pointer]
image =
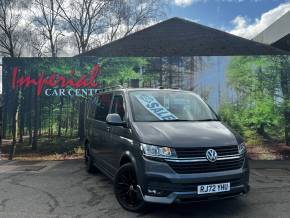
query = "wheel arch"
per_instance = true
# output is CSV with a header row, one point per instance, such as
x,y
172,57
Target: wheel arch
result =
x,y
127,157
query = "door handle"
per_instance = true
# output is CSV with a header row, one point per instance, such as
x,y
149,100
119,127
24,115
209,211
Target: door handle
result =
x,y
108,128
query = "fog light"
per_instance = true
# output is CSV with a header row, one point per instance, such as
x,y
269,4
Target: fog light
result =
x,y
151,191
157,193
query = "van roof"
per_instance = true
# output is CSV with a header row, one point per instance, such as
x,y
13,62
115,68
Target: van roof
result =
x,y
144,89
126,90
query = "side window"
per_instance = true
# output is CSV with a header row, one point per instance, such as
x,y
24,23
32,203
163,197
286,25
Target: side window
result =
x,y
103,106
118,106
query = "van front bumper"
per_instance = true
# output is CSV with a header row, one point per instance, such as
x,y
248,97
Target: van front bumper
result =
x,y
161,184
187,197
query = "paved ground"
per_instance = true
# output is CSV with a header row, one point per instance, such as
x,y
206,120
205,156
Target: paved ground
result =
x,y
64,189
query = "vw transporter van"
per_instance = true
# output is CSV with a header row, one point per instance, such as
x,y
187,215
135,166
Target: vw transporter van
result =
x,y
163,146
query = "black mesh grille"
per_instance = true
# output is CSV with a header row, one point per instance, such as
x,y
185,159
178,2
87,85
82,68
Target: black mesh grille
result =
x,y
206,166
200,152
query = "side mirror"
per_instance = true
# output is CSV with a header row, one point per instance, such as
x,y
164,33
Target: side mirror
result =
x,y
114,119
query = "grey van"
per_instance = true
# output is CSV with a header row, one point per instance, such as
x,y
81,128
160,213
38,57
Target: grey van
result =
x,y
163,146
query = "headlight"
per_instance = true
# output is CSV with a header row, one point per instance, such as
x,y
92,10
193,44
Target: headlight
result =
x,y
157,151
242,148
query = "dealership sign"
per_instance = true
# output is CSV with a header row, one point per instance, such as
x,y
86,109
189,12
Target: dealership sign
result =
x,y
58,84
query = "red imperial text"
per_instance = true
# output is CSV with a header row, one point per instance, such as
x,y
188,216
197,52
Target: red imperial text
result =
x,y
55,80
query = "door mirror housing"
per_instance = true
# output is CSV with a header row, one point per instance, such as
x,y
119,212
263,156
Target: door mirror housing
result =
x,y
115,120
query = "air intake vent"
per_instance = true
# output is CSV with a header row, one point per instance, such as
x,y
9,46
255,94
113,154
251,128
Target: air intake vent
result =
x,y
200,152
206,166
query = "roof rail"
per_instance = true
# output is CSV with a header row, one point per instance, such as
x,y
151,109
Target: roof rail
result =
x,y
110,88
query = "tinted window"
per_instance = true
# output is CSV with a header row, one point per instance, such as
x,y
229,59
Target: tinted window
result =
x,y
150,106
118,106
103,106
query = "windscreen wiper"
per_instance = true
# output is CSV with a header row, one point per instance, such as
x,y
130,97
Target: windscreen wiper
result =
x,y
174,120
204,120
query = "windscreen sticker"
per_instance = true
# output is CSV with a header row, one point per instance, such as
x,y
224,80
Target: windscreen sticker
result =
x,y
154,107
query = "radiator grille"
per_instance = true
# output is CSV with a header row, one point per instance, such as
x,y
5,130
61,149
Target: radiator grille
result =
x,y
200,152
206,166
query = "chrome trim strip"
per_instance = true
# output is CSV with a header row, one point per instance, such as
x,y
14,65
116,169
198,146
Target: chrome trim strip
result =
x,y
187,160
229,157
202,159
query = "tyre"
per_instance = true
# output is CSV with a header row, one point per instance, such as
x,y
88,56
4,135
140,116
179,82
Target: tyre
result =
x,y
126,190
89,161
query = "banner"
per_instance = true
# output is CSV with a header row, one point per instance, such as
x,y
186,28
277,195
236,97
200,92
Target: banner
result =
x,y
44,98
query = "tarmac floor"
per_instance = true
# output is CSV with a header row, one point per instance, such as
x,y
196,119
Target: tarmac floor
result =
x,y
64,189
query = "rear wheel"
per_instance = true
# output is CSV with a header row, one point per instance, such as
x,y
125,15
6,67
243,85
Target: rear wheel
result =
x,y
89,161
126,189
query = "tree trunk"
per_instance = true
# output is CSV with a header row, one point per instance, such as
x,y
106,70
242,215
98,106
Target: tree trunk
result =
x,y
285,86
81,130
39,115
29,115
14,135
60,117
4,123
67,116
49,118
287,126
21,119
72,119
35,127
82,120
14,128
261,130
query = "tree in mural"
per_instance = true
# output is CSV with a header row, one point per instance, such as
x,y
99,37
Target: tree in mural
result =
x,y
261,85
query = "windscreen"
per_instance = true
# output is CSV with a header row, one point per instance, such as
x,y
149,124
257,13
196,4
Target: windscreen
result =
x,y
163,105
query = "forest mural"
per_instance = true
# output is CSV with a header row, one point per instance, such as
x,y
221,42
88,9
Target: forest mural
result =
x,y
45,98
261,108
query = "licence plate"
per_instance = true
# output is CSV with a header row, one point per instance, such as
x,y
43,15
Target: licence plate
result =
x,y
213,188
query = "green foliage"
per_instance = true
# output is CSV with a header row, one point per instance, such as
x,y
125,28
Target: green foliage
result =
x,y
230,115
116,71
127,73
258,109
260,113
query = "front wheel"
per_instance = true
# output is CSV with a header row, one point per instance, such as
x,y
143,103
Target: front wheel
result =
x,y
126,189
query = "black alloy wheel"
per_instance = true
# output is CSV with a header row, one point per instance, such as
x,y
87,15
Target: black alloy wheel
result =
x,y
126,189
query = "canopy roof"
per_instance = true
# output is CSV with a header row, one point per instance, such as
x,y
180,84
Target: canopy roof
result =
x,y
179,37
